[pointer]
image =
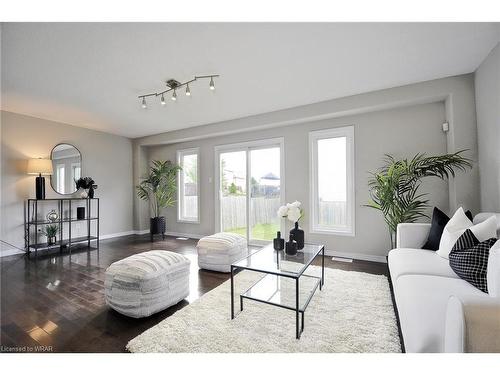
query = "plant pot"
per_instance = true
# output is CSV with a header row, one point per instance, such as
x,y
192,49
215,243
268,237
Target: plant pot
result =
x,y
157,225
51,240
298,235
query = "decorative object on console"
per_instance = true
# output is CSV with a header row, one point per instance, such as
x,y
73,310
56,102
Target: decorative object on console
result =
x,y
291,246
438,223
52,216
159,189
80,213
469,259
50,231
278,242
394,187
88,184
294,213
40,167
174,85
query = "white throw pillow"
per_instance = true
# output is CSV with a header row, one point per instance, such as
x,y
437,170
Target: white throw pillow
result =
x,y
493,272
457,226
458,223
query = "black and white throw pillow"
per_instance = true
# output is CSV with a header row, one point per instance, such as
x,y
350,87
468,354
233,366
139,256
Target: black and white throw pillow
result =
x,y
438,222
469,259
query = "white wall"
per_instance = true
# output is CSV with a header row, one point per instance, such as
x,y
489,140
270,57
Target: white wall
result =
x,y
487,84
373,115
401,132
105,157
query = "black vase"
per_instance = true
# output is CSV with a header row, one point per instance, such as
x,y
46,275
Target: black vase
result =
x,y
278,242
91,192
80,213
291,246
298,235
157,225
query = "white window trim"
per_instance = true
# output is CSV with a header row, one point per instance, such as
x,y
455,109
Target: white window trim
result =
x,y
180,155
245,146
314,136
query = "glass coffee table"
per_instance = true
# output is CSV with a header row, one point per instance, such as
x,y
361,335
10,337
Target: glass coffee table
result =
x,y
280,284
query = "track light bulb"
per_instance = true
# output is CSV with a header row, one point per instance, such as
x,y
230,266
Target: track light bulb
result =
x,y
212,84
144,105
162,101
174,96
188,91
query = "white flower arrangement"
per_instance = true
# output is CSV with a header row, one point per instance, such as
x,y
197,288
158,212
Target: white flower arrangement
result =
x,y
291,211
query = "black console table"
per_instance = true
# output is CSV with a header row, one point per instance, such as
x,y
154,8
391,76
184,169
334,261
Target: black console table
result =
x,y
66,209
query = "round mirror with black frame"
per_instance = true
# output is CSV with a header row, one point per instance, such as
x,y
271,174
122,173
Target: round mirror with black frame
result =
x,y
67,168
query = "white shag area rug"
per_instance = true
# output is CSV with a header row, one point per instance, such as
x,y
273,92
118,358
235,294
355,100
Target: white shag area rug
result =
x,y
353,313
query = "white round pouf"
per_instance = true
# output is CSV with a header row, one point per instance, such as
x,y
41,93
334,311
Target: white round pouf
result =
x,y
218,251
145,283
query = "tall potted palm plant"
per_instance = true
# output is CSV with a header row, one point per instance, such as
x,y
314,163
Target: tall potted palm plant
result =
x,y
159,189
394,188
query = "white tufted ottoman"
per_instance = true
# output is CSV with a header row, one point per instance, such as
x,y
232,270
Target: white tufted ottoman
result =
x,y
218,251
146,283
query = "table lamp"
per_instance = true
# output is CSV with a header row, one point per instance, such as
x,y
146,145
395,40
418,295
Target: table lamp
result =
x,y
40,167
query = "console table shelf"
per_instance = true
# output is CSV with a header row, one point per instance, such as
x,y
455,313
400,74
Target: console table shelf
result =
x,y
65,208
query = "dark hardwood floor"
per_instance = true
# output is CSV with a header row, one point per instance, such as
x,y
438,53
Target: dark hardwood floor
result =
x,y
56,302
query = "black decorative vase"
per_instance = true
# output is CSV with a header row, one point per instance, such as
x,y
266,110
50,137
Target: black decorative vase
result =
x,y
298,236
157,225
80,213
291,246
278,242
91,192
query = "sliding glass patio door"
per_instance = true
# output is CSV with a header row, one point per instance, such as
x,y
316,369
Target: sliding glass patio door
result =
x,y
249,189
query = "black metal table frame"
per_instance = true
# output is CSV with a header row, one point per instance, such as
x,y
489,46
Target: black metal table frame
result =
x,y
296,277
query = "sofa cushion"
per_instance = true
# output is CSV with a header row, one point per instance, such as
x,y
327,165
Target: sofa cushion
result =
x,y
418,262
421,301
438,223
469,259
457,226
479,218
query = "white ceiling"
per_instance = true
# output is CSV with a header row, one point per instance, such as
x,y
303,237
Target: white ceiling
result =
x,y
90,75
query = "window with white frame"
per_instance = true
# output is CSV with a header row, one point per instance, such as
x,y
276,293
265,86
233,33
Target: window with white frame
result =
x,y
61,179
332,180
188,206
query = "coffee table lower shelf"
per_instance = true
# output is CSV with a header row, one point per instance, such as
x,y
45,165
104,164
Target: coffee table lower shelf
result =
x,y
284,292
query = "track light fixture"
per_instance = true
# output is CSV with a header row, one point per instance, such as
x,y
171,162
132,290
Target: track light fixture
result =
x,y
173,85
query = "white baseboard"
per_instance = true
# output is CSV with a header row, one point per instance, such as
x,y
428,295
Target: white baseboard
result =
x,y
119,234
174,234
188,235
8,252
358,256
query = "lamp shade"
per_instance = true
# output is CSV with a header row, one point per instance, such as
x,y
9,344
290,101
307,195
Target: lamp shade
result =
x,y
40,166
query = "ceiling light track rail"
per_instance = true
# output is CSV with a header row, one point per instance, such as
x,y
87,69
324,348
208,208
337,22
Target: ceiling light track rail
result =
x,y
174,85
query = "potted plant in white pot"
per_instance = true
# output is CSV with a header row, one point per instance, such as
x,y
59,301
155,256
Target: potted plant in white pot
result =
x,y
159,189
293,212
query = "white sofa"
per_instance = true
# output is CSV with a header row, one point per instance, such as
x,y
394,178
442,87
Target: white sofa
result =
x,y
438,311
